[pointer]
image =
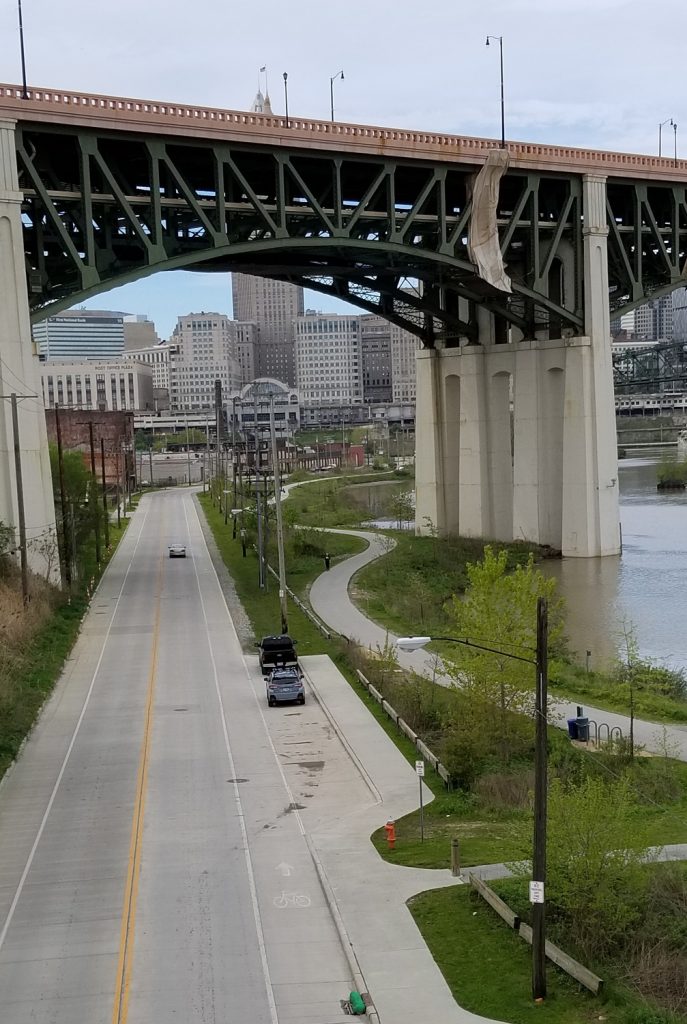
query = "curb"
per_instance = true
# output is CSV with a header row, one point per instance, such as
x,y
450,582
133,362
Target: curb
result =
x,y
354,966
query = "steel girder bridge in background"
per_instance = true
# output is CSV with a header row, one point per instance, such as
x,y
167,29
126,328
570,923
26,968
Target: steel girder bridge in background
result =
x,y
390,235
651,368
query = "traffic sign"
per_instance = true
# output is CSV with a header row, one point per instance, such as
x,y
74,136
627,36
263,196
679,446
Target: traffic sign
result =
x,y
420,769
536,892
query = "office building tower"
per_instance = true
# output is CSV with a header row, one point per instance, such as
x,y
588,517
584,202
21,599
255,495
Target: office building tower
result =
x,y
328,356
79,334
272,306
202,350
244,334
376,359
403,350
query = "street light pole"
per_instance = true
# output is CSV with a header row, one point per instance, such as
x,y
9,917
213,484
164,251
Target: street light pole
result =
x,y
537,886
503,106
661,125
24,90
286,97
339,74
675,141
280,525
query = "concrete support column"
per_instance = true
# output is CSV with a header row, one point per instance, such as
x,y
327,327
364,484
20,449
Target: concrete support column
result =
x,y
19,374
475,506
429,444
526,443
499,453
590,467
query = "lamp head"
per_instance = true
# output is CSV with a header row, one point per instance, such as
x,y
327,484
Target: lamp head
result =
x,y
412,643
487,41
285,75
342,76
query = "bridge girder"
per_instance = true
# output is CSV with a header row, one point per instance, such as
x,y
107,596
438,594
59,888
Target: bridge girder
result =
x,y
102,208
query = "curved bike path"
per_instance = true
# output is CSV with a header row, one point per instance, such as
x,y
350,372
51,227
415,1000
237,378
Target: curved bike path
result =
x,y
331,601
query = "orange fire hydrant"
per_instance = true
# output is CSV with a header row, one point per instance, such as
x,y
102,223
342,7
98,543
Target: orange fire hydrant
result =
x,y
390,829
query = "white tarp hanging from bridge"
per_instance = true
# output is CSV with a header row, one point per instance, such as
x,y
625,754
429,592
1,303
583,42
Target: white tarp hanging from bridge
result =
x,y
483,235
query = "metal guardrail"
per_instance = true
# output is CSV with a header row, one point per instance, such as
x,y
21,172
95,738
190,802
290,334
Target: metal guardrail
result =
x,y
421,747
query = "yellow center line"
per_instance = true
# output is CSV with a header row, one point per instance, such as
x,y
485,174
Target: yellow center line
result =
x,y
126,941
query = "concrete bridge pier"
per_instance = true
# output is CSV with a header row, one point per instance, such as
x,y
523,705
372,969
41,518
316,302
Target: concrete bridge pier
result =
x,y
19,375
516,441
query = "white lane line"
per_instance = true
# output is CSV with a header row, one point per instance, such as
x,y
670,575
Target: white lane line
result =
x,y
237,795
292,801
41,829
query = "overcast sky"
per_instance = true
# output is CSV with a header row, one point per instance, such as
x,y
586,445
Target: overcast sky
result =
x,y
599,73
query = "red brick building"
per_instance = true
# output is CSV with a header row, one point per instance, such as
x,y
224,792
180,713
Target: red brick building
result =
x,y
116,429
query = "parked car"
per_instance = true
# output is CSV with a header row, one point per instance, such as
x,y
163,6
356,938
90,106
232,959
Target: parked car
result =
x,y
277,652
177,551
285,684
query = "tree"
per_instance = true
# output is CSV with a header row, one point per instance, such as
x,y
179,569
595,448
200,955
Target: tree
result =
x,y
596,848
500,610
402,508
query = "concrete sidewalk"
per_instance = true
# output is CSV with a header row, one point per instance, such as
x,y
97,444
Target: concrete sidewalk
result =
x,y
330,600
371,894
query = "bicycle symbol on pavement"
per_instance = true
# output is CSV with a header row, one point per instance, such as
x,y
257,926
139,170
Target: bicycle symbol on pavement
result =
x,y
291,899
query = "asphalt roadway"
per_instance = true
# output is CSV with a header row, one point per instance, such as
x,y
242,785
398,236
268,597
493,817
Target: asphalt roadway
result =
x,y
154,865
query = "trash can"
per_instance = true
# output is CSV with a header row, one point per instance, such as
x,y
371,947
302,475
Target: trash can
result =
x,y
582,729
572,728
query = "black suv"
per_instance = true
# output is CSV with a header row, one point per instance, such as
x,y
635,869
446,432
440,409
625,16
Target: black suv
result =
x,y
277,652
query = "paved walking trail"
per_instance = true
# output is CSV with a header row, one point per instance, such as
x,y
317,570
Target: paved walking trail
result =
x,y
331,601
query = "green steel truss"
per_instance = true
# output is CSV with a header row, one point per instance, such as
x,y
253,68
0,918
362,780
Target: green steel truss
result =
x,y
103,208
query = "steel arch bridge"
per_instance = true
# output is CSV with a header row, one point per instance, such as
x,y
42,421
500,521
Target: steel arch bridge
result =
x,y
376,217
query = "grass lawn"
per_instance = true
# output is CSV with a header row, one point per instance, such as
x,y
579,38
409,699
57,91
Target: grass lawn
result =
x,y
573,683
488,967
37,666
407,589
489,835
325,503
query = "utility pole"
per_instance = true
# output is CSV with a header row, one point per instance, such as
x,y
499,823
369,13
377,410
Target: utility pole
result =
x,y
206,472
95,484
20,503
150,463
280,526
218,433
538,886
63,504
104,482
188,452
119,488
233,456
261,562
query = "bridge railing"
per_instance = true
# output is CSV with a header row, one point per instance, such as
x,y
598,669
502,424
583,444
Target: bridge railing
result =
x,y
60,104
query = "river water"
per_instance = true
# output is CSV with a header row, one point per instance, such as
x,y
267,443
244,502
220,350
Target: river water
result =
x,y
645,587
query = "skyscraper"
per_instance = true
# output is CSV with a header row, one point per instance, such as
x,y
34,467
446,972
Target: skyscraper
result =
x,y
202,350
272,306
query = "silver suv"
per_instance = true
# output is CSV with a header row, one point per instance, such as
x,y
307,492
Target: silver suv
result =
x,y
285,684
